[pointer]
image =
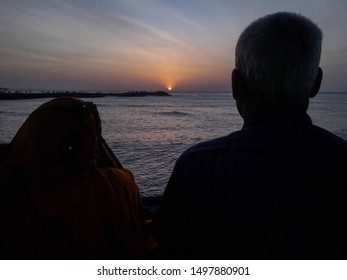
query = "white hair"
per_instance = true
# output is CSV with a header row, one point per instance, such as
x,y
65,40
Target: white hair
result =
x,y
278,55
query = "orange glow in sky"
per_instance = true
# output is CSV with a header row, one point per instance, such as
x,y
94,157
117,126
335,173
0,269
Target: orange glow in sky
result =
x,y
150,45
169,86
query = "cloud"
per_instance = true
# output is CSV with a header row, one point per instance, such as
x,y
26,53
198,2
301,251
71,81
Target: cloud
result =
x,y
189,43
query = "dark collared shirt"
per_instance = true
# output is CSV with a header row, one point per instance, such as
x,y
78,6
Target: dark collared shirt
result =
x,y
275,189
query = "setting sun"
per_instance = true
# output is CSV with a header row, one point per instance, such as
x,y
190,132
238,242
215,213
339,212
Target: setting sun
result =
x,y
169,88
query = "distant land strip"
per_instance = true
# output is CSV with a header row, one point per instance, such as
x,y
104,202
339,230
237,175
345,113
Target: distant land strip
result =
x,y
7,95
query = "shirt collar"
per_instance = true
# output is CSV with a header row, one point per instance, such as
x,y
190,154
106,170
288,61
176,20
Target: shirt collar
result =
x,y
278,117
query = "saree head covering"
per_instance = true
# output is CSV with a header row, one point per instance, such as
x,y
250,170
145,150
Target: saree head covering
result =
x,y
64,194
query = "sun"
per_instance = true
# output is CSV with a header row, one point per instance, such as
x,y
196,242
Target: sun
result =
x,y
169,88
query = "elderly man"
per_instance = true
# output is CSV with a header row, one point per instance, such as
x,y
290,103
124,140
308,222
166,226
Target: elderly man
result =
x,y
276,188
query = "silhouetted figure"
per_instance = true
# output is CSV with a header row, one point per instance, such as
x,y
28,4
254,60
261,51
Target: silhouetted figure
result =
x,y
277,188
64,194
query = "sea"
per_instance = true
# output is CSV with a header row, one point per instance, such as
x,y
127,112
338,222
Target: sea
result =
x,y
149,133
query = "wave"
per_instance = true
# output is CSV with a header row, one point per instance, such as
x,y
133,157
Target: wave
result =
x,y
138,105
174,113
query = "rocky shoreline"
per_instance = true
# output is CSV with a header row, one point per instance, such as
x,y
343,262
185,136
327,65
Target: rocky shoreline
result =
x,y
8,95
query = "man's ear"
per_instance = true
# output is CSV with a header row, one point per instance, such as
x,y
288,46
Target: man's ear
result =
x,y
237,84
317,83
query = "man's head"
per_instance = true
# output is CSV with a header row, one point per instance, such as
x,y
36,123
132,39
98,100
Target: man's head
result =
x,y
277,61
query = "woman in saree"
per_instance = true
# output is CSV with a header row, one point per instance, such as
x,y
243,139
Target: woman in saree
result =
x,y
64,194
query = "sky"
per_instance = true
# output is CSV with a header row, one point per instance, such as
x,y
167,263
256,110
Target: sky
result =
x,y
121,45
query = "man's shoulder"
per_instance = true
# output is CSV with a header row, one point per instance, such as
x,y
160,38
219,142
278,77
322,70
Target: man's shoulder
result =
x,y
215,144
307,136
328,139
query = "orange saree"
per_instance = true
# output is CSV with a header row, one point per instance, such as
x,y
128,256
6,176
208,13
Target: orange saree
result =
x,y
64,194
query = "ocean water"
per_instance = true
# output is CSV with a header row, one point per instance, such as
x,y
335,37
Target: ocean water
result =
x,y
149,133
